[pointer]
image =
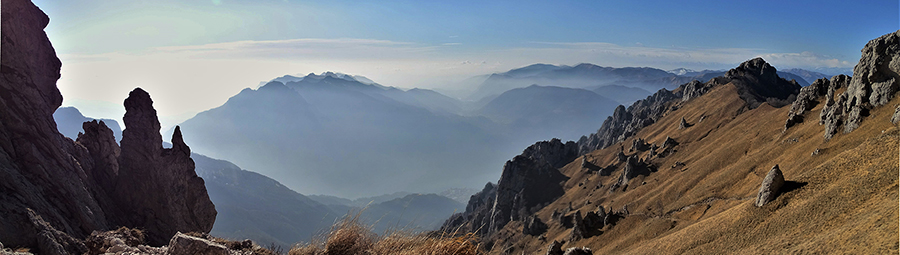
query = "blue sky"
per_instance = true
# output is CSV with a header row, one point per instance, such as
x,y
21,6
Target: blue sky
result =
x,y
217,47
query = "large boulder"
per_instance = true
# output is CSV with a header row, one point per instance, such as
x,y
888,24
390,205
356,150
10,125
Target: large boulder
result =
x,y
770,187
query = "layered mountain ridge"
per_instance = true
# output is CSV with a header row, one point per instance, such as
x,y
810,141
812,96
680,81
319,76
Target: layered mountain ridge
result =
x,y
659,173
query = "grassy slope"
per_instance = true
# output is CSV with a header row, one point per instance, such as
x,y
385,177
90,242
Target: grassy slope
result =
x,y
841,200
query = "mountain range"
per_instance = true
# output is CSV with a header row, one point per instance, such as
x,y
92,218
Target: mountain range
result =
x,y
747,162
69,122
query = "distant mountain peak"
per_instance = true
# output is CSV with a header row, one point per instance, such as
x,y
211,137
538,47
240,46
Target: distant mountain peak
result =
x,y
681,71
327,74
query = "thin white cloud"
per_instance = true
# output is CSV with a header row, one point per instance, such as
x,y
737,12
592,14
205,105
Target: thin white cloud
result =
x,y
347,48
807,58
175,75
617,55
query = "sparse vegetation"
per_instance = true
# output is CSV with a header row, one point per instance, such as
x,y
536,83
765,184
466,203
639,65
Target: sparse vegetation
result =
x,y
350,237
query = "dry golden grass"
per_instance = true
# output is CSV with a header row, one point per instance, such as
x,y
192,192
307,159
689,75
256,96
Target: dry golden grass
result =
x,y
844,199
350,237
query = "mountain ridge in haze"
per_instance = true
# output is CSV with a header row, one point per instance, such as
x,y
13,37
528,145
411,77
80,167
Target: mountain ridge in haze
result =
x,y
313,133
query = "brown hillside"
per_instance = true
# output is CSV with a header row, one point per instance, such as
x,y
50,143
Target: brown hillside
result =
x,y
844,199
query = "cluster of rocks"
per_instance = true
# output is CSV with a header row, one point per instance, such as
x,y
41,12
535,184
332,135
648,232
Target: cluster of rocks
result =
x,y
534,226
755,80
876,79
634,167
809,97
56,191
131,241
554,152
626,122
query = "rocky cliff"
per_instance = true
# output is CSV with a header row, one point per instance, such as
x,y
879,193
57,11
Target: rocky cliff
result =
x,y
53,189
755,80
876,78
528,182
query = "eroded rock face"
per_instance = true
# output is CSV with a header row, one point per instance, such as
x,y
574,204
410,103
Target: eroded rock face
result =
x,y
164,193
626,122
38,166
528,182
770,186
477,215
554,152
534,226
876,79
55,191
524,185
756,81
806,100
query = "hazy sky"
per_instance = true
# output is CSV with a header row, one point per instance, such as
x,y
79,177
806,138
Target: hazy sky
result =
x,y
193,55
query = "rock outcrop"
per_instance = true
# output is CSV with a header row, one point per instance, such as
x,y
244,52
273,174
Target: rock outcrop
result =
x,y
164,193
477,215
578,251
806,100
626,122
770,186
756,81
55,191
554,152
832,113
38,170
528,182
534,226
132,241
876,78
524,186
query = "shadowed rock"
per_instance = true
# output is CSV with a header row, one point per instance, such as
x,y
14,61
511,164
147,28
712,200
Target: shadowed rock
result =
x,y
164,193
534,226
555,248
770,186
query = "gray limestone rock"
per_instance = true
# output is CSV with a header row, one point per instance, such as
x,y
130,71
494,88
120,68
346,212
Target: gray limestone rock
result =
x,y
876,79
896,117
770,186
182,244
578,251
806,100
